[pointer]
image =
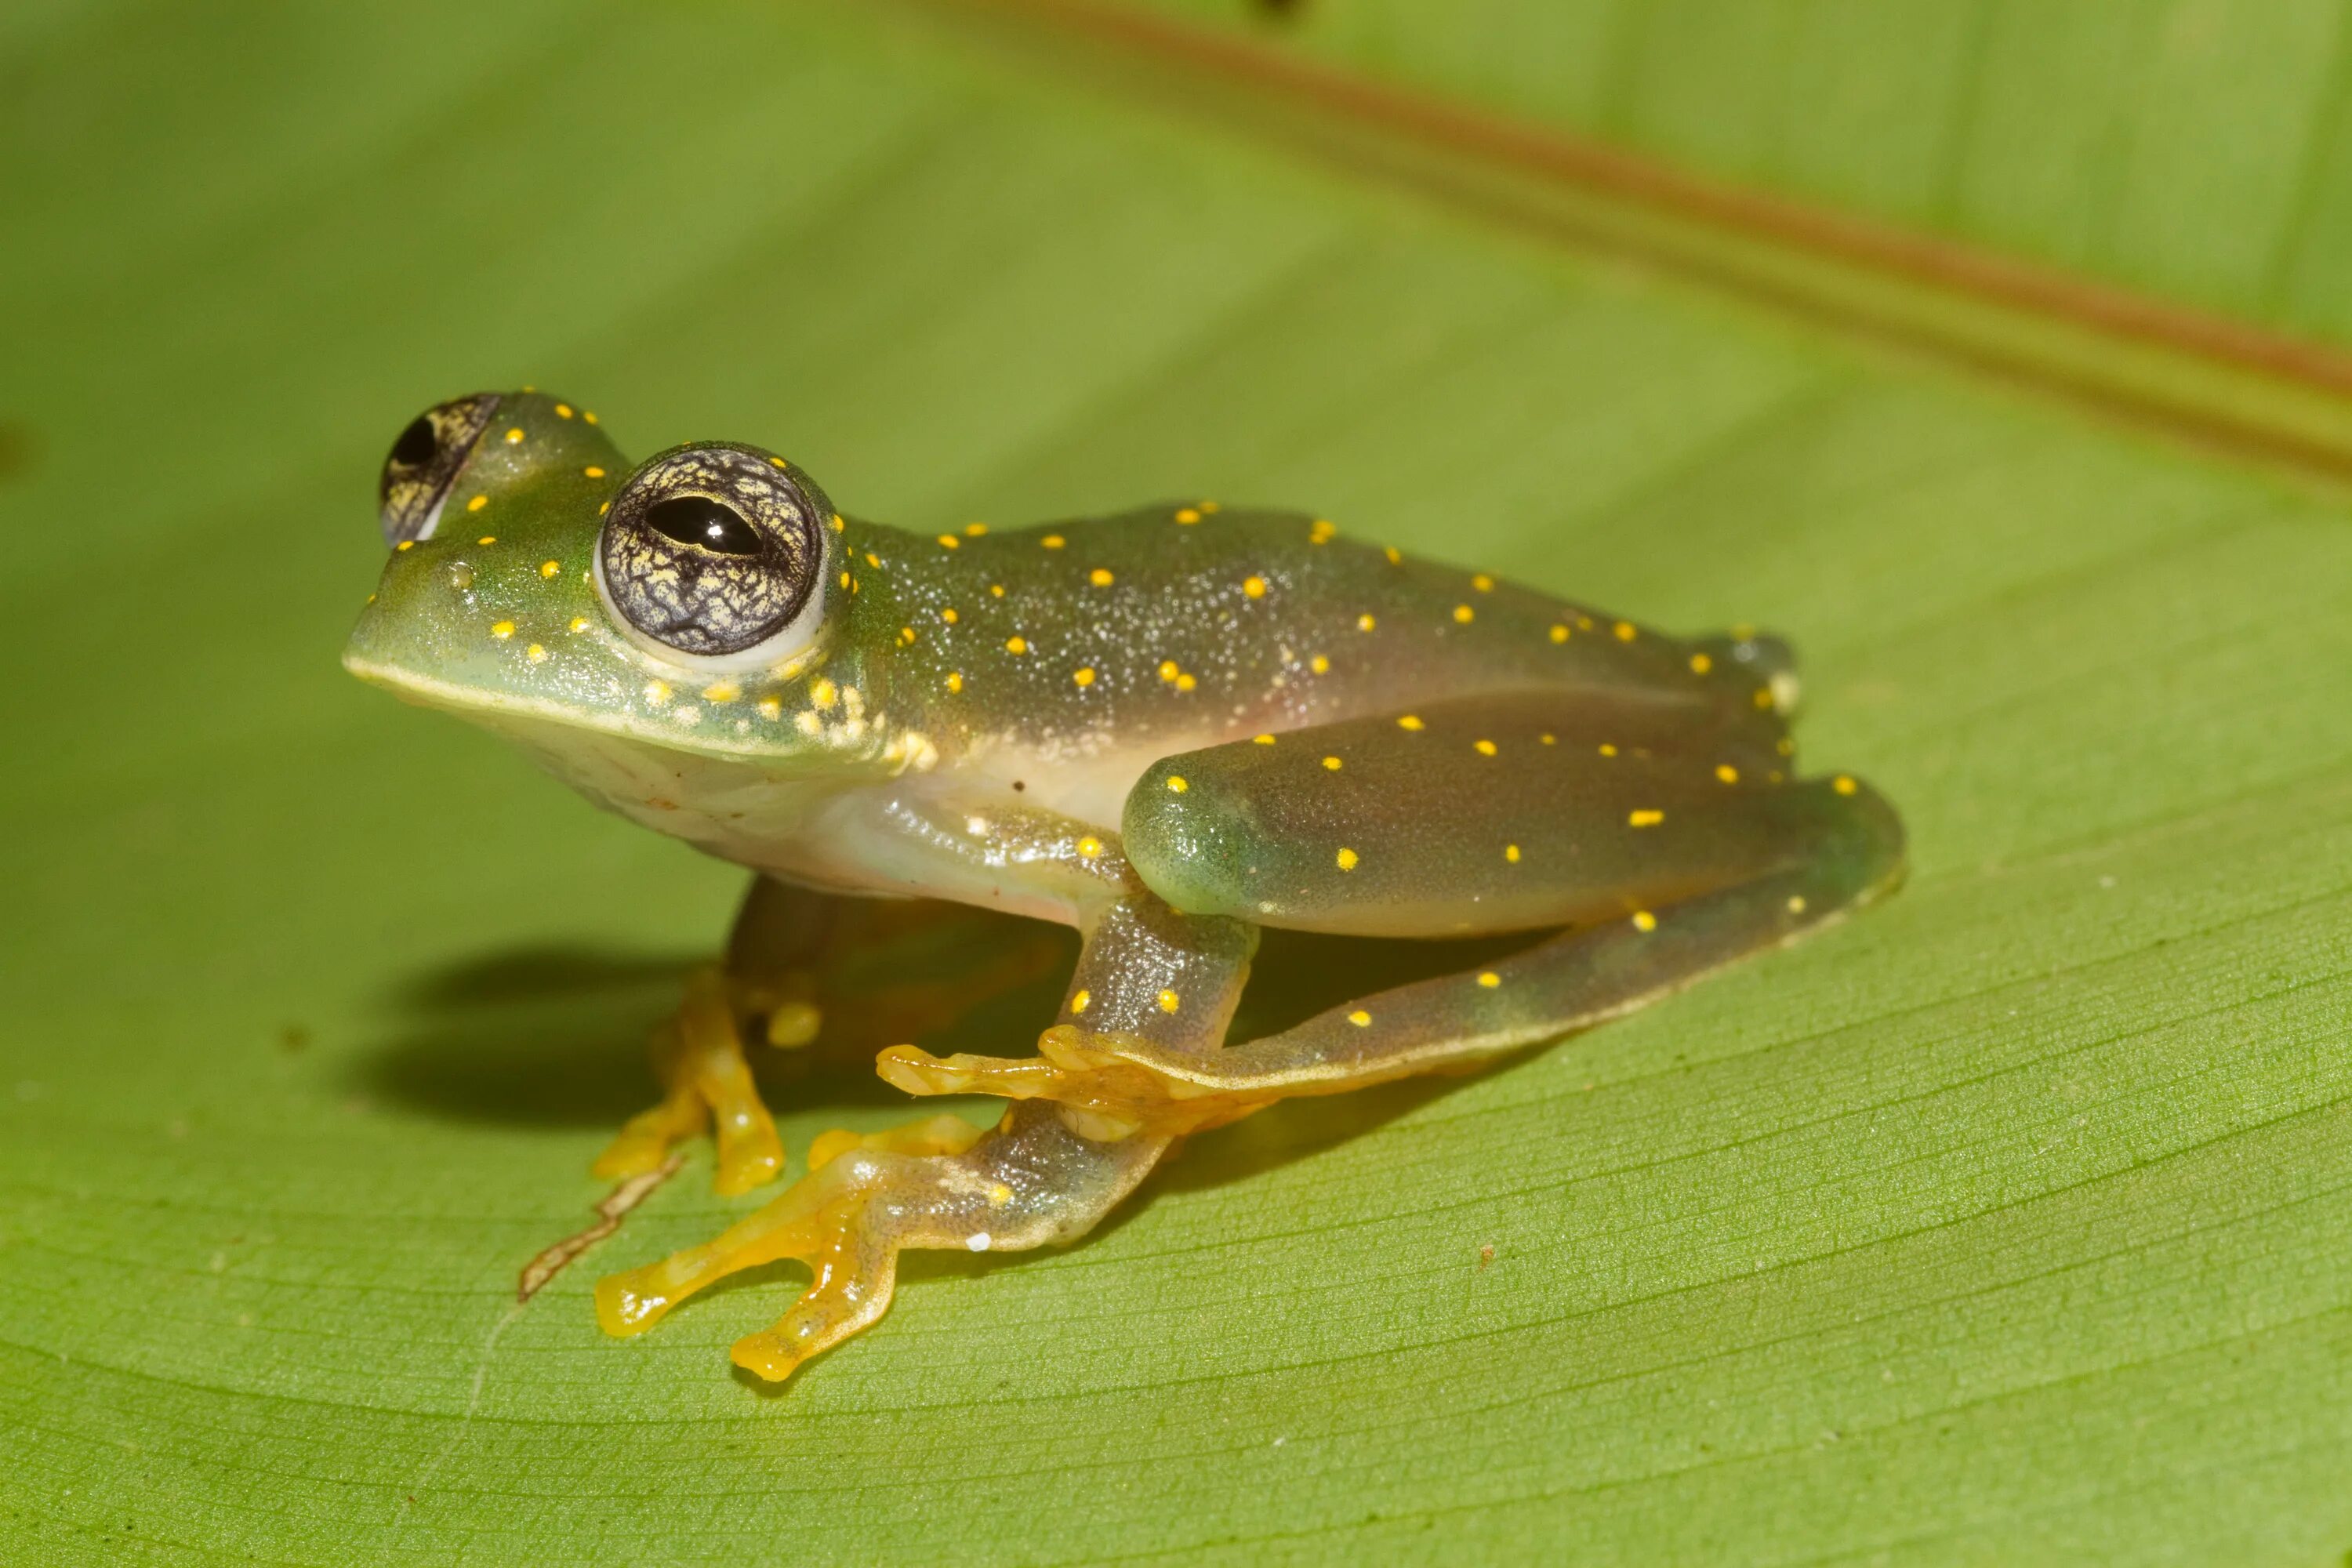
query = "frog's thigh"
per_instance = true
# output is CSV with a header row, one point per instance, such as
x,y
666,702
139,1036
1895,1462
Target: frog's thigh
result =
x,y
1843,847
1508,812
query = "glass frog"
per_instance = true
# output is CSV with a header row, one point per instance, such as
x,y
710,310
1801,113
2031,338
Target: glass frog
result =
x,y
1170,728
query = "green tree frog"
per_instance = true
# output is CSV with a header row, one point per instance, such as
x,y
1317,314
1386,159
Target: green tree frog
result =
x,y
1169,728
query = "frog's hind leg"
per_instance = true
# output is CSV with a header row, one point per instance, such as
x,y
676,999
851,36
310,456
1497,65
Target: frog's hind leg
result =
x,y
1846,849
1669,847
940,1184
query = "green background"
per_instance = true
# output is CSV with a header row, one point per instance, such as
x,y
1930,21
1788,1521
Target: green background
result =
x,y
2008,1223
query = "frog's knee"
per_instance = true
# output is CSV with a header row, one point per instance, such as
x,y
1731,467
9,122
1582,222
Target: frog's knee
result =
x,y
1769,658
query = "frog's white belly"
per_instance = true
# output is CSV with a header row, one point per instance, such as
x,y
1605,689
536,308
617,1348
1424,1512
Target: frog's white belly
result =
x,y
846,830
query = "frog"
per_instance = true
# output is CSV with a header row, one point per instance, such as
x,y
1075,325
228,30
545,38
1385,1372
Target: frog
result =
x,y
1170,729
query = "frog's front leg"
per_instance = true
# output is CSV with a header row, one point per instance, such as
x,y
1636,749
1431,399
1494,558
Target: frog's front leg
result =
x,y
698,1057
1046,1173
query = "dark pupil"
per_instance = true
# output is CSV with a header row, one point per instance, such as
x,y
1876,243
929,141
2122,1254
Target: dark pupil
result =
x,y
416,443
699,519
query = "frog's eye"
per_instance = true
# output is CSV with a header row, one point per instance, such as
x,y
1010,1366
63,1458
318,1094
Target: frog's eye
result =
x,y
425,462
715,551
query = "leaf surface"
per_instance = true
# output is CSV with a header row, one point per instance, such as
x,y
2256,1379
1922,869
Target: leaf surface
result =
x,y
2006,1222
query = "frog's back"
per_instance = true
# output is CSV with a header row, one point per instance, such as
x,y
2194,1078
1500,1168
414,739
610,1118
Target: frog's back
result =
x,y
1178,626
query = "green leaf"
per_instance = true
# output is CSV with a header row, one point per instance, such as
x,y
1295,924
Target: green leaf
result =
x,y
2005,1223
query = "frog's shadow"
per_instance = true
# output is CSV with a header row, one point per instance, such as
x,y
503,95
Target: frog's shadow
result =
x,y
555,1036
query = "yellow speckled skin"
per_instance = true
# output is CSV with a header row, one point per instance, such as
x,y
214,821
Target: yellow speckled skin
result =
x,y
1167,728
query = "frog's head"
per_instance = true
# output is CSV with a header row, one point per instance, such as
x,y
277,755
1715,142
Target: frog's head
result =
x,y
542,585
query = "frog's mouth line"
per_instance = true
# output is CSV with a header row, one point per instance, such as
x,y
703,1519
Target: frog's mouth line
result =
x,y
474,702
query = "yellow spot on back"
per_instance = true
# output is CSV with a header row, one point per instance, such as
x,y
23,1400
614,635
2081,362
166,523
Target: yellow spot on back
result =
x,y
1625,630
1483,582
1078,1002
1546,740
820,692
1186,515
1796,903
1186,682
1843,783
579,622
514,435
1321,530
536,653
406,544
837,524
906,637
592,471
1176,784
948,615
1465,614
1052,541
1396,557
771,707
1168,1002
1361,1018
721,691
1320,665
478,503
1489,979
774,462
589,417
997,590
974,530
1511,853
1169,669
1333,763
1263,740
1346,859
1607,750
1083,676
955,680
1016,644
1701,664
1364,623
1483,748
488,539
1410,721
1090,846
1726,773
1099,577
1644,921
949,541
844,579
1254,586
1645,817
549,568
871,559
502,630
1559,633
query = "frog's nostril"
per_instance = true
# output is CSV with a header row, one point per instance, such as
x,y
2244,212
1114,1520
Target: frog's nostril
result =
x,y
417,444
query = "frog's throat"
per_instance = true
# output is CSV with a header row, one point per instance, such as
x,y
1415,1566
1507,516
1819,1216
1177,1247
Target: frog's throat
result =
x,y
496,709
